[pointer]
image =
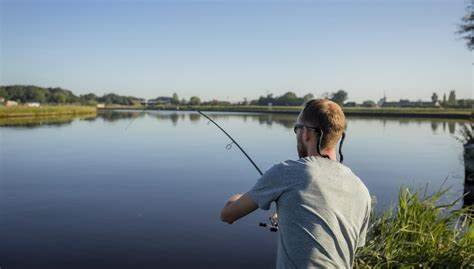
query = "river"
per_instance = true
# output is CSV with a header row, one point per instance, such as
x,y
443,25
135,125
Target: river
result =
x,y
92,193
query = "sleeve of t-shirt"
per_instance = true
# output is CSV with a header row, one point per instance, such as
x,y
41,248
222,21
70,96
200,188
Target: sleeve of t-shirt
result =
x,y
268,188
365,227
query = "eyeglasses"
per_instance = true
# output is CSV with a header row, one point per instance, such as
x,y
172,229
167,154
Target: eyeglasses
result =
x,y
300,125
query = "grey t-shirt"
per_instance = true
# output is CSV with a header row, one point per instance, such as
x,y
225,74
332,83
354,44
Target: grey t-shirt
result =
x,y
323,212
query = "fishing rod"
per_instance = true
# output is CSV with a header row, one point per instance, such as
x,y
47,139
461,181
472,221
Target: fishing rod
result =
x,y
233,141
273,223
222,129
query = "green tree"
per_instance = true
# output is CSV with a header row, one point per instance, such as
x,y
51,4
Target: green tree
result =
x,y
195,101
288,99
369,103
175,99
38,95
308,97
339,97
3,92
444,99
59,98
434,97
466,28
289,96
452,98
264,100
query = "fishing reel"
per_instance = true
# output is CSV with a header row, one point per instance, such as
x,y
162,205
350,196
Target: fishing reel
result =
x,y
273,224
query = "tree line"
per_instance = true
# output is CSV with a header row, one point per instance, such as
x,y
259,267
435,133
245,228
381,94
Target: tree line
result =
x,y
291,99
451,100
28,93
24,94
286,99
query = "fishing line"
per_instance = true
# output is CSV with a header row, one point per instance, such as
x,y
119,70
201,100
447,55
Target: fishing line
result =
x,y
143,111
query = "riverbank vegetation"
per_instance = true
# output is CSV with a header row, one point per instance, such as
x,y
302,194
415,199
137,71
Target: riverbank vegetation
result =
x,y
44,111
420,232
29,93
355,111
56,120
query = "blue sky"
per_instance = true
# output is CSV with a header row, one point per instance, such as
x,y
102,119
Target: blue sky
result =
x,y
235,49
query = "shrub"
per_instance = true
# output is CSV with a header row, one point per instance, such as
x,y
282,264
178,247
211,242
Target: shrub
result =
x,y
420,233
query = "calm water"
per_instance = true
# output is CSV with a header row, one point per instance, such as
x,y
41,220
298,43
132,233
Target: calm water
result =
x,y
88,193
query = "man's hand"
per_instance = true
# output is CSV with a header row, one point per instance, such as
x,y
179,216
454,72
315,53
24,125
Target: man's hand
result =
x,y
274,219
237,206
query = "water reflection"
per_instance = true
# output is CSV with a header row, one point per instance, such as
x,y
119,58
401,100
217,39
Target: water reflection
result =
x,y
114,115
34,122
285,120
452,127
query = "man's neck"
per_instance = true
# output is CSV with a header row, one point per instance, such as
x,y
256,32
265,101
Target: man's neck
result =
x,y
329,152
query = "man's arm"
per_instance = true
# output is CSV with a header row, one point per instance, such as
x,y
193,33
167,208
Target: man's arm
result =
x,y
236,207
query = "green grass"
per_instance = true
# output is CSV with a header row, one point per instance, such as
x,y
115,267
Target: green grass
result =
x,y
420,233
43,120
23,111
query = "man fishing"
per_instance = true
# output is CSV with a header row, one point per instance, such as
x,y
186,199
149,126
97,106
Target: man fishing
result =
x,y
323,207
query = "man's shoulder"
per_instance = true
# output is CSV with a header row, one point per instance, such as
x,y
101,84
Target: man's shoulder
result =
x,y
359,185
298,163
340,170
290,166
284,165
318,163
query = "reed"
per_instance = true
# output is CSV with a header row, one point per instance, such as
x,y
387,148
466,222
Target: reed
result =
x,y
466,134
420,233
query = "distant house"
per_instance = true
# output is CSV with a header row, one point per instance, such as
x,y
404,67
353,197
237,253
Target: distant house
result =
x,y
100,106
11,103
350,104
33,104
162,100
383,102
2,100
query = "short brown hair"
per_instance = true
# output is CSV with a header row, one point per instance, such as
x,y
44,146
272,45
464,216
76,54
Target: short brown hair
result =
x,y
328,117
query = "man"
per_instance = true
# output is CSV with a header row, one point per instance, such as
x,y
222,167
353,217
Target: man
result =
x,y
323,208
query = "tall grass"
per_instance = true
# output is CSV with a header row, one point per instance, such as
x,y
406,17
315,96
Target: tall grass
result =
x,y
23,111
466,133
56,120
420,233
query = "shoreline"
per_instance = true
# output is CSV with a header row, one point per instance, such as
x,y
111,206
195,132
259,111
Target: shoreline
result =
x,y
466,114
51,111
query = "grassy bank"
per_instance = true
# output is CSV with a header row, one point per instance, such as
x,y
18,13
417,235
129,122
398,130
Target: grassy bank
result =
x,y
56,120
45,111
349,111
420,233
